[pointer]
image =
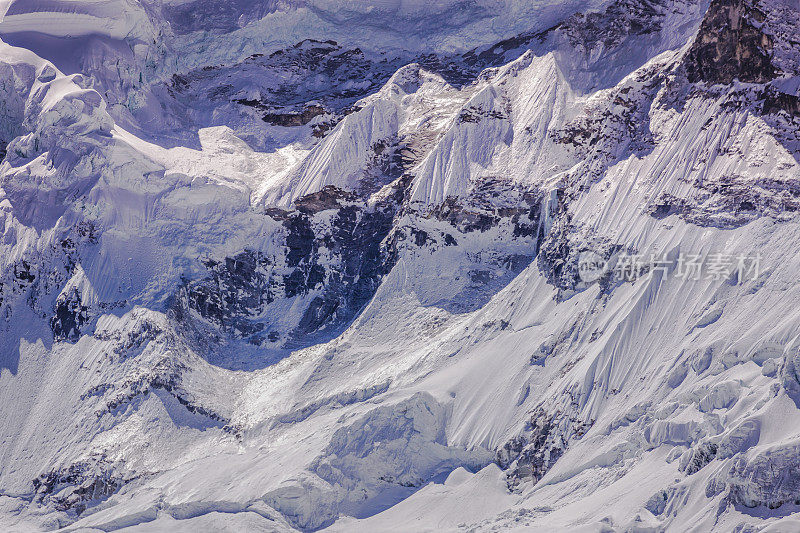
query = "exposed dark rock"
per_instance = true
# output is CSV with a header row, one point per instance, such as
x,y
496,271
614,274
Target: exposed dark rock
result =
x,y
731,202
238,287
544,440
702,455
587,33
667,205
287,86
132,343
560,254
334,262
775,102
355,239
329,197
731,45
461,217
555,249
238,292
39,277
299,240
477,114
214,16
488,203
166,375
69,317
300,118
608,28
22,272
78,486
614,128
499,53
455,70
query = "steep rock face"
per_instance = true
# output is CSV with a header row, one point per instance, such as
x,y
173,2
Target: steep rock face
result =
x,y
731,45
331,259
70,316
48,283
749,41
335,250
599,49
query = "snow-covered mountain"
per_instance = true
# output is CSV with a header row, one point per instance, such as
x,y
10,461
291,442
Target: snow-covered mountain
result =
x,y
484,265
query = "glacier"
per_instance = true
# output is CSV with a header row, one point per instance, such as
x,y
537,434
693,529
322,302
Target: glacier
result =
x,y
320,265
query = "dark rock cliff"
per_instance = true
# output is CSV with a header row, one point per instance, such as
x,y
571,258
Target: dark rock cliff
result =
x,y
731,45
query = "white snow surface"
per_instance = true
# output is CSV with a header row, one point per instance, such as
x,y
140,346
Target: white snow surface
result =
x,y
382,26
400,422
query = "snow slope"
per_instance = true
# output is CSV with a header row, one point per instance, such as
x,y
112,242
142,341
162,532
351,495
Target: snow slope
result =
x,y
362,307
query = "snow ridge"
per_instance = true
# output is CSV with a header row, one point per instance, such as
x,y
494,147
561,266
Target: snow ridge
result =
x,y
358,300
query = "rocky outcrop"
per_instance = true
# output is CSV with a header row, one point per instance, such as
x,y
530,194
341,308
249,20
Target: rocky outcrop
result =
x,y
313,82
46,282
224,294
489,202
596,43
69,317
563,244
332,260
731,202
76,487
336,247
699,457
731,45
298,118
607,29
776,101
544,439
